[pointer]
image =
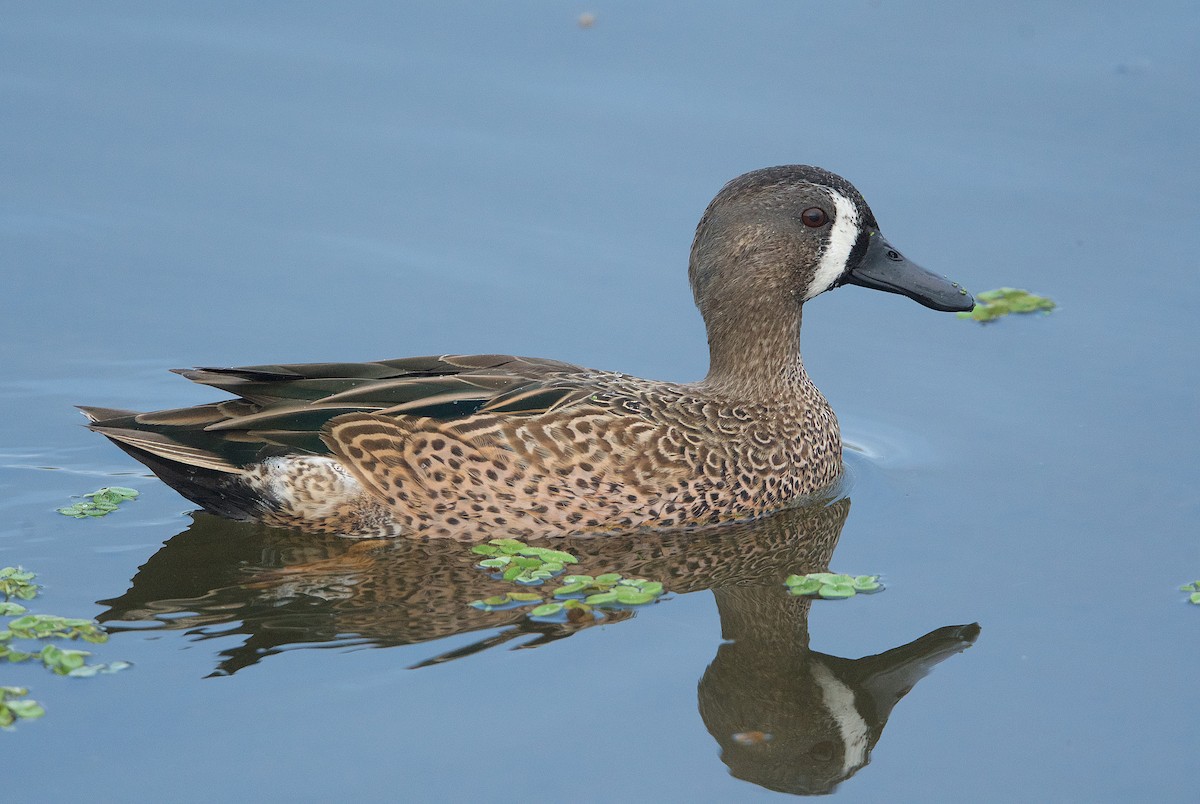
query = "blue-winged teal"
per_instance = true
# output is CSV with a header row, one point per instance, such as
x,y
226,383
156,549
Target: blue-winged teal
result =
x,y
480,446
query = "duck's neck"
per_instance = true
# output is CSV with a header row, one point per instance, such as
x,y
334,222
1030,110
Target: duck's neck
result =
x,y
754,351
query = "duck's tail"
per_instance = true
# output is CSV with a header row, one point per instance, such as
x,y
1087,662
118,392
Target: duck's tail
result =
x,y
202,476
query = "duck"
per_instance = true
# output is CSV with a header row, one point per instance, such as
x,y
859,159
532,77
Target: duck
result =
x,y
475,447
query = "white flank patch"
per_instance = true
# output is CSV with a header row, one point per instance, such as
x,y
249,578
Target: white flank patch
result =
x,y
310,486
839,702
842,237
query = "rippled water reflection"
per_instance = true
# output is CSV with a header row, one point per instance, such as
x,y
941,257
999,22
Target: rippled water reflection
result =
x,y
786,717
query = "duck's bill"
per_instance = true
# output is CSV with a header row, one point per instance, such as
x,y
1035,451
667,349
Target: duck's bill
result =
x,y
882,267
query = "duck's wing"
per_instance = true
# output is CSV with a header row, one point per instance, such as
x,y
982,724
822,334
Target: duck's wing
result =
x,y
281,409
418,384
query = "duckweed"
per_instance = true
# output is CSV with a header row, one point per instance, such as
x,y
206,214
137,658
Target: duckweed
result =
x,y
514,561
99,503
50,626
608,588
573,611
515,547
993,304
509,600
15,706
1194,589
832,586
16,582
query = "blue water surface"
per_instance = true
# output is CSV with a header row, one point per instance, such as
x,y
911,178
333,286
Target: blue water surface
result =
x,y
230,183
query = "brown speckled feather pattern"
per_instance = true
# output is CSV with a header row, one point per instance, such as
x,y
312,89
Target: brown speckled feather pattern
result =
x,y
621,454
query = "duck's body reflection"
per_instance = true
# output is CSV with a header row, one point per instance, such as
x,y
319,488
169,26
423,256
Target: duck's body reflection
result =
x,y
787,718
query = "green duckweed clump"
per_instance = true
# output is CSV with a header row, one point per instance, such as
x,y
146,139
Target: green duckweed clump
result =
x,y
993,304
15,706
577,595
99,503
17,583
832,586
513,560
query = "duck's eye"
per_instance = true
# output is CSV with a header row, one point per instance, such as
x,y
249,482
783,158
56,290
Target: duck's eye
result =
x,y
814,217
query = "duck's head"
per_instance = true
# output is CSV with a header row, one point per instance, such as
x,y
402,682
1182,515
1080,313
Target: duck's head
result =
x,y
786,234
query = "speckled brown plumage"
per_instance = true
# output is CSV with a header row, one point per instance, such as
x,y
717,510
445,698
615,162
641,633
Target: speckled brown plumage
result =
x,y
624,454
480,446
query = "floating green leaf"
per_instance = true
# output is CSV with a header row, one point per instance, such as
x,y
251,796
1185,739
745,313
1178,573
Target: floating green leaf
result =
x,y
90,670
550,556
14,706
546,610
524,597
630,596
993,304
494,563
99,503
867,584
837,591
804,586
115,493
506,601
8,609
27,710
832,577
831,585
62,660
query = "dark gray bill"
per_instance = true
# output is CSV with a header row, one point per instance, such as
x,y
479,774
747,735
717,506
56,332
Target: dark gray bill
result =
x,y
884,268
